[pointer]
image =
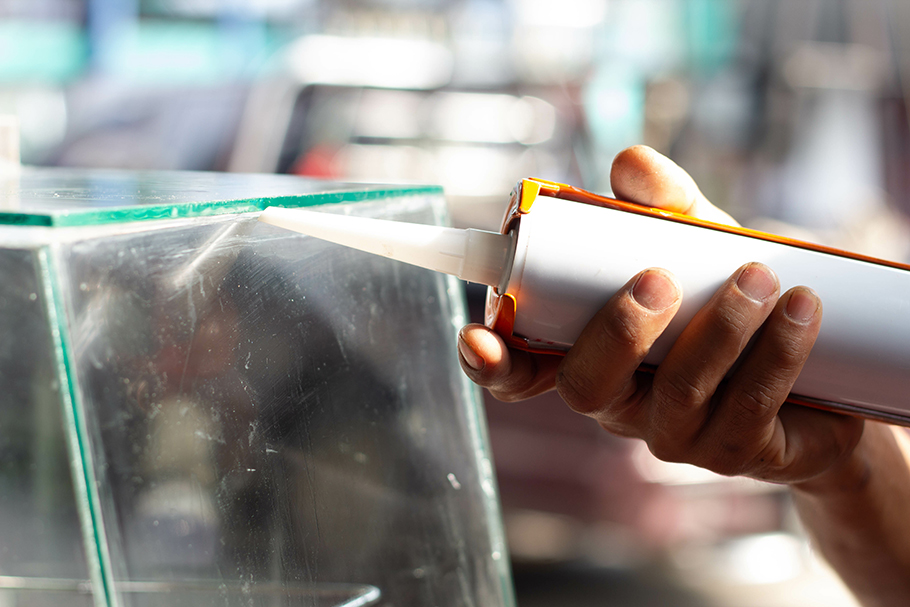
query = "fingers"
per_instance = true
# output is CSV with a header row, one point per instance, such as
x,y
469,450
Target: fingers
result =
x,y
598,376
641,175
509,375
687,379
602,363
768,372
746,415
707,403
737,425
698,407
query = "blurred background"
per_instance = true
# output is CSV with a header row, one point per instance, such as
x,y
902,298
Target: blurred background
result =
x,y
791,114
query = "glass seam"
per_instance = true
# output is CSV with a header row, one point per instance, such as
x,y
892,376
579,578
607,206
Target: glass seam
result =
x,y
484,458
477,428
93,535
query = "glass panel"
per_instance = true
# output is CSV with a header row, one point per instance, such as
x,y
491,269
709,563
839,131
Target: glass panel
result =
x,y
272,416
42,557
61,197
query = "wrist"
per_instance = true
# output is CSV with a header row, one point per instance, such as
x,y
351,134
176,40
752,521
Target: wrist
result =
x,y
855,513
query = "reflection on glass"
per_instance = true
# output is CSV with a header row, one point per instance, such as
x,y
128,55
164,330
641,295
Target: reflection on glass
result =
x,y
251,417
269,413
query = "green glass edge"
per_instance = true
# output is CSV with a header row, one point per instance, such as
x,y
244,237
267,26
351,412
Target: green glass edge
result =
x,y
98,559
21,219
204,209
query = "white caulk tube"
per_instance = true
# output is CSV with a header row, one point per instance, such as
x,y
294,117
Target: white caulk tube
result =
x,y
559,263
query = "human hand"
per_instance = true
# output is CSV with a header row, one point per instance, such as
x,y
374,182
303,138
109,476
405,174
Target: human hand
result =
x,y
692,408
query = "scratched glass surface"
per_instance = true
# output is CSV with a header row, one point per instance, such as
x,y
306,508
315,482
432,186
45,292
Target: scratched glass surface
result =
x,y
39,190
41,548
277,420
67,197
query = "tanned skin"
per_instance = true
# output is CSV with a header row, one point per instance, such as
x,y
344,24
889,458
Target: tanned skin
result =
x,y
850,480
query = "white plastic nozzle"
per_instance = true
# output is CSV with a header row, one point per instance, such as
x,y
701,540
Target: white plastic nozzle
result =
x,y
472,255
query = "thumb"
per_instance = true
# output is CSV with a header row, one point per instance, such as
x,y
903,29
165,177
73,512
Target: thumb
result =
x,y
643,176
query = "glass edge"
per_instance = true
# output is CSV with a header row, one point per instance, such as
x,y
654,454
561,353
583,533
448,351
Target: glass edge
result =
x,y
483,454
477,426
207,208
81,461
23,219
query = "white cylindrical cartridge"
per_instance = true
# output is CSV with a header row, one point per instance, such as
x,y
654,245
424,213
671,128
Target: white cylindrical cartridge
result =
x,y
568,251
861,357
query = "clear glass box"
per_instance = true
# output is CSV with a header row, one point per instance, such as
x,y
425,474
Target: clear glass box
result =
x,y
200,409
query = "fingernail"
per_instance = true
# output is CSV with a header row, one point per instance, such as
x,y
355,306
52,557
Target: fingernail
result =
x,y
470,356
655,291
802,306
757,282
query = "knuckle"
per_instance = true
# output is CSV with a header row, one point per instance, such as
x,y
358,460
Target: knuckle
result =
x,y
583,384
788,351
759,400
620,331
668,450
732,321
731,459
678,392
729,452
578,390
726,451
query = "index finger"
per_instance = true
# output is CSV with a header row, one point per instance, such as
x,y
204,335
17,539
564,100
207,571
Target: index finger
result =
x,y
508,374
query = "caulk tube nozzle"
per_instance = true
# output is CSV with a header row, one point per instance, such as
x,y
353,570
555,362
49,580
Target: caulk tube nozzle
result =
x,y
472,255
